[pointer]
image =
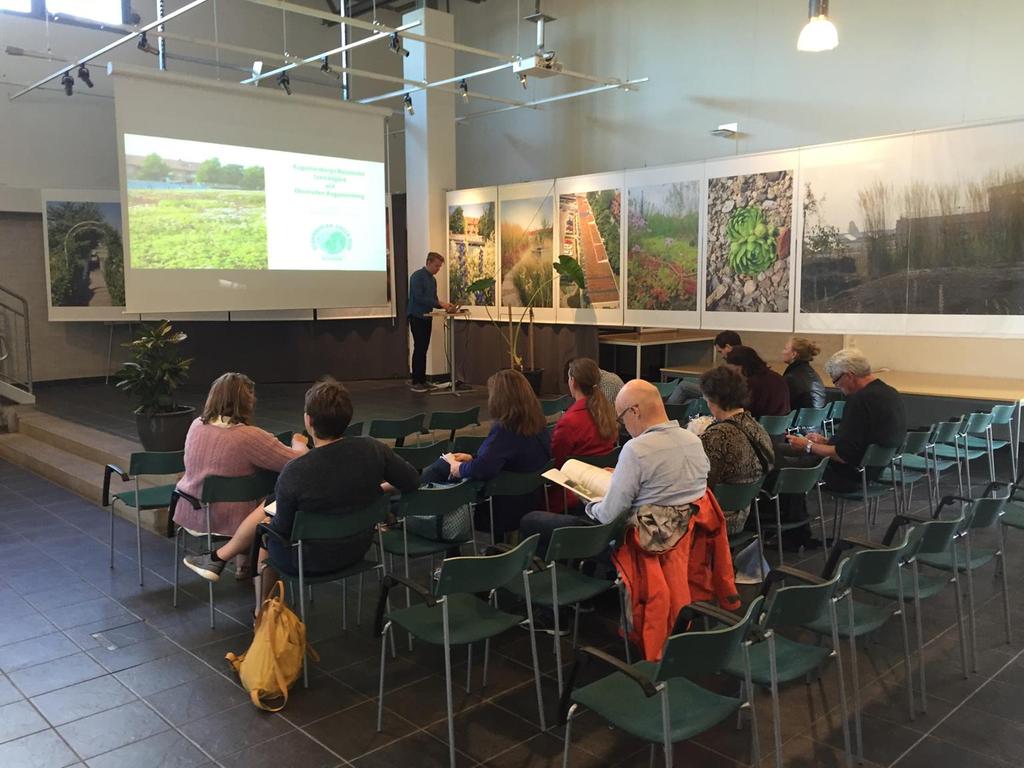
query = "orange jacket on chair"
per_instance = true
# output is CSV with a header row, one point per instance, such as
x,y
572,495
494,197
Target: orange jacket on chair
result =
x,y
699,567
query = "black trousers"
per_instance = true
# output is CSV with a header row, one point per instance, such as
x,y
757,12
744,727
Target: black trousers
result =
x,y
420,327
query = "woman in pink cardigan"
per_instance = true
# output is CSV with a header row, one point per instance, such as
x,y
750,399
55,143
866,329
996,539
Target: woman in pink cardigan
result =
x,y
223,442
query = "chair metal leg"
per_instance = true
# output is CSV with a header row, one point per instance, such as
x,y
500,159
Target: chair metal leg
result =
x,y
568,735
971,619
344,605
760,539
855,675
650,756
666,725
469,667
778,529
138,528
902,608
844,711
533,650
302,614
490,511
558,628
739,712
487,659
920,636
177,559
867,504
1002,570
448,683
112,533
960,614
359,601
755,739
380,687
209,548
776,716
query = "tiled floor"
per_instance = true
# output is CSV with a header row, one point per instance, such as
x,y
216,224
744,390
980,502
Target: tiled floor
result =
x,y
96,670
278,406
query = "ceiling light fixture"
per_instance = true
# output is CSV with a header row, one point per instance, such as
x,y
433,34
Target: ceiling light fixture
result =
x,y
285,83
522,80
395,44
144,45
407,101
325,67
819,33
464,87
83,75
68,82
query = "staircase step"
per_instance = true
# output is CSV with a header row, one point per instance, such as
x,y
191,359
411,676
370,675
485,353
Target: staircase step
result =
x,y
69,470
78,439
16,394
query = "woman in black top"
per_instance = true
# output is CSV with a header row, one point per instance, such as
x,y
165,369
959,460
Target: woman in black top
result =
x,y
805,387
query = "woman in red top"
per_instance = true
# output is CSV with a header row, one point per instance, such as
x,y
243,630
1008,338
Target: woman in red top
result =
x,y
587,428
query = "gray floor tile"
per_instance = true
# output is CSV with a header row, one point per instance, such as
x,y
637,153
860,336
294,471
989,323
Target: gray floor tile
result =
x,y
20,719
40,750
106,731
55,674
82,700
164,750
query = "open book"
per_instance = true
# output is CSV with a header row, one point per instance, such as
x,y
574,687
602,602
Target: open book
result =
x,y
588,482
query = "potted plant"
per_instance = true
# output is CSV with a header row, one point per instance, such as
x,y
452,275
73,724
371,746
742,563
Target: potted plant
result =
x,y
571,273
153,374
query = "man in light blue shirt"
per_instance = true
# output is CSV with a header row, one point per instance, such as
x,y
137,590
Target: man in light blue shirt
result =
x,y
664,465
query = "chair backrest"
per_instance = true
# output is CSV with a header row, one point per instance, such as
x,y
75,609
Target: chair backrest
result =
x,y
603,460
976,423
776,425
797,479
836,409
514,483
665,388
944,432
486,572
937,535
915,442
454,419
246,488
421,456
434,502
735,498
341,524
578,542
802,604
467,444
698,406
878,456
984,513
1003,414
678,413
810,417
872,566
551,406
355,429
156,463
397,429
701,653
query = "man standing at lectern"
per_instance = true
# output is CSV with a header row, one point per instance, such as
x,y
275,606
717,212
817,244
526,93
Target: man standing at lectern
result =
x,y
422,300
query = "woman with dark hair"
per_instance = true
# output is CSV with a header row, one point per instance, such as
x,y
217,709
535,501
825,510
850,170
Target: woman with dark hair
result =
x,y
769,393
738,448
806,389
223,442
587,428
518,442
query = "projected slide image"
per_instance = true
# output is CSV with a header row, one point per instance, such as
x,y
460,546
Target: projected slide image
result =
x,y
86,257
196,205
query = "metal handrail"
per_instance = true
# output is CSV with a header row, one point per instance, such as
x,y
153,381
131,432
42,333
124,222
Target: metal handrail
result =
x,y
23,313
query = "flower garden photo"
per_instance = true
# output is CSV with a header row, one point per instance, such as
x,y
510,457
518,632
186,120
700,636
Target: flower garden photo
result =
x,y
664,223
471,252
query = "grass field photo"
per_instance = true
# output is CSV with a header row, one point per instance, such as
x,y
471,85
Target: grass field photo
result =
x,y
197,228
663,230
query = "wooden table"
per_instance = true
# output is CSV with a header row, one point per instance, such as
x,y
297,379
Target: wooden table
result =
x,y
653,339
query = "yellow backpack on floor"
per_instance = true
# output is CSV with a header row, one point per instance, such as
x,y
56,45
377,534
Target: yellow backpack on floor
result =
x,y
274,659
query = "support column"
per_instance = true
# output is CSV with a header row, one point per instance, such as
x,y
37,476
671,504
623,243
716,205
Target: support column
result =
x,y
430,159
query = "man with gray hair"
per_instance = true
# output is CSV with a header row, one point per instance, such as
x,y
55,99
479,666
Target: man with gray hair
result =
x,y
874,415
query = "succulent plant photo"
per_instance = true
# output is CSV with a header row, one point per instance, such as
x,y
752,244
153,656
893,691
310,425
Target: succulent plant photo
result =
x,y
751,241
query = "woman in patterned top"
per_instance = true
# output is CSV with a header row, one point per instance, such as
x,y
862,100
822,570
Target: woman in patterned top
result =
x,y
738,448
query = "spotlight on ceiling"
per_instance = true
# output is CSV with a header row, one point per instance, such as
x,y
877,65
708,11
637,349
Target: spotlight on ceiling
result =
x,y
522,80
325,67
819,33
144,45
395,44
68,82
407,101
464,87
285,83
257,70
83,75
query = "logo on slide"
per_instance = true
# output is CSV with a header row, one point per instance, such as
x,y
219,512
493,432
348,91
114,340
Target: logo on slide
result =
x,y
331,241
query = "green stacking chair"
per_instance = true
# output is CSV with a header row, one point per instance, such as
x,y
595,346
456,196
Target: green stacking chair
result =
x,y
776,425
660,702
139,465
397,429
680,413
777,659
835,415
698,406
467,444
453,421
910,466
1002,416
871,491
422,456
355,429
943,452
254,488
666,388
512,484
739,498
967,557
810,419
324,528
795,480
555,406
1013,513
928,537
872,564
957,449
976,435
558,584
452,614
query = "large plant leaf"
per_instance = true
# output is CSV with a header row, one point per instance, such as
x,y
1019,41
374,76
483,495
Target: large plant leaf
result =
x,y
482,285
571,270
